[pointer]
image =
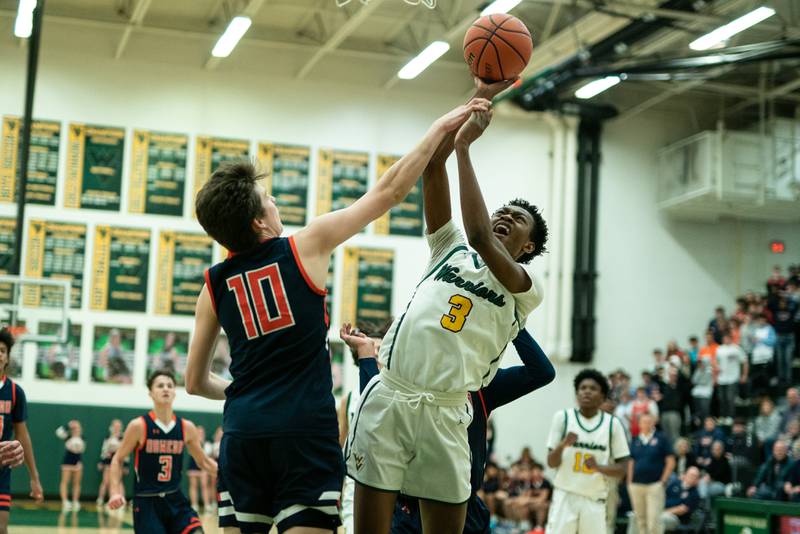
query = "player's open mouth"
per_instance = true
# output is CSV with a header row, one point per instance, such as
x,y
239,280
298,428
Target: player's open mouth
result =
x,y
502,229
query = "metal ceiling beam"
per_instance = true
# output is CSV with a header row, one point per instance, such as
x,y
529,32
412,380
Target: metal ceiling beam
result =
x,y
552,18
136,20
339,35
249,10
773,93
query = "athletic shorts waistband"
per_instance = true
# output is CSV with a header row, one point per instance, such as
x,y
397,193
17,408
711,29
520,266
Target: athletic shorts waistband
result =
x,y
412,393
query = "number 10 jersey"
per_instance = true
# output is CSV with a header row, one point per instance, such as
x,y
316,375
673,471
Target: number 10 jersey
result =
x,y
458,322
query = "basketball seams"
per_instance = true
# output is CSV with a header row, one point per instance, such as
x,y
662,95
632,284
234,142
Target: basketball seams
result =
x,y
511,46
488,37
499,61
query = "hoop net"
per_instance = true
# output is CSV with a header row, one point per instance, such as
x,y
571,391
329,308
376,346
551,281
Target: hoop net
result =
x,y
430,4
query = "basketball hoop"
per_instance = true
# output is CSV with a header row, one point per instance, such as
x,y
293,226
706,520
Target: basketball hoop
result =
x,y
17,331
430,4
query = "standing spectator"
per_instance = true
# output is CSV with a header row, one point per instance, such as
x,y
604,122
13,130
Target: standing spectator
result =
x,y
767,424
702,390
718,324
659,365
792,409
763,354
642,404
792,435
670,405
718,472
747,334
768,483
681,501
794,275
704,439
784,340
693,350
684,459
649,382
651,466
709,350
732,365
743,452
623,411
776,279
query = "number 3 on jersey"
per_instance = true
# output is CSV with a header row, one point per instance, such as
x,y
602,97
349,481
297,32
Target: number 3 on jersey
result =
x,y
165,475
459,311
249,288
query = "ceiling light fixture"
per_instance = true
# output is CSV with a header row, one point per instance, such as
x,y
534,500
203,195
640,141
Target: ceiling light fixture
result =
x,y
596,87
233,33
723,33
432,52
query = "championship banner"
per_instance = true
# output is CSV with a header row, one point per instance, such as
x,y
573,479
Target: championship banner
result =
x,y
287,179
367,285
120,268
158,173
342,177
7,244
55,250
209,152
94,167
405,218
182,259
42,162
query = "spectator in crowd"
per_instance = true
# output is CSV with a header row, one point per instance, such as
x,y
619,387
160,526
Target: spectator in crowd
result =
x,y
768,484
718,324
732,365
767,424
704,439
747,334
743,452
792,408
791,485
776,279
649,382
525,458
539,498
659,365
794,275
709,350
516,505
784,340
763,355
684,459
702,390
623,411
620,383
693,350
652,464
682,499
792,434
642,404
670,405
717,472
492,484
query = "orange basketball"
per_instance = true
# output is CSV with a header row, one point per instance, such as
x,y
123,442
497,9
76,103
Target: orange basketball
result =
x,y
497,47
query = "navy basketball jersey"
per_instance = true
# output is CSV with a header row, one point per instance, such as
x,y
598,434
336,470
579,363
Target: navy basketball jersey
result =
x,y
159,460
13,407
277,328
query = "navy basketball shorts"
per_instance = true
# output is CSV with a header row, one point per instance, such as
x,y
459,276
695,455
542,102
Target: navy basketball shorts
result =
x,y
170,514
285,481
5,489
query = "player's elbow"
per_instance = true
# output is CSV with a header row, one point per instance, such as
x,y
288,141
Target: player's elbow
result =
x,y
548,374
192,385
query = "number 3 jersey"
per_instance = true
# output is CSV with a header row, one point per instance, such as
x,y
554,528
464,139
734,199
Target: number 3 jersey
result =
x,y
602,437
158,462
459,320
277,327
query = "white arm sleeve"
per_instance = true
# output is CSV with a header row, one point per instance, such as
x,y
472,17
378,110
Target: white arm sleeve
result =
x,y
442,241
557,429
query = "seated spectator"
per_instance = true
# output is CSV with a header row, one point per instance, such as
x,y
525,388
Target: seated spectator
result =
x,y
768,484
792,408
768,423
702,390
641,405
717,472
516,505
792,434
492,483
763,355
743,452
704,439
539,495
684,459
682,499
525,458
732,371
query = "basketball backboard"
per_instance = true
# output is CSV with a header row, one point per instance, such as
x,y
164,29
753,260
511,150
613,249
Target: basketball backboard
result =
x,y
26,301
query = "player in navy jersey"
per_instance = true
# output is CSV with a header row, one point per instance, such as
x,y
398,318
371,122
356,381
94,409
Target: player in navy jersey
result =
x,y
507,385
14,410
158,440
280,460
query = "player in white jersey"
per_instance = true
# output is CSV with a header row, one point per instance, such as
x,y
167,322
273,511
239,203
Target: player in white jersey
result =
x,y
585,446
410,429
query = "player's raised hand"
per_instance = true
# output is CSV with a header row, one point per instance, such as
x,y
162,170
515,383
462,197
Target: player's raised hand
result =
x,y
491,90
458,116
474,127
37,494
358,341
11,453
116,501
570,439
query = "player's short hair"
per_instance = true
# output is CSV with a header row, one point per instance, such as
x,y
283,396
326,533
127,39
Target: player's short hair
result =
x,y
160,372
371,329
228,202
7,338
538,233
592,374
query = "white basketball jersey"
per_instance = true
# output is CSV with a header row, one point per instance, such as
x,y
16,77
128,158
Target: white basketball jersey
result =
x,y
455,329
596,437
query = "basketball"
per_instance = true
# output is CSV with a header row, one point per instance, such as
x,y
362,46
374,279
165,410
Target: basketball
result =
x,y
497,47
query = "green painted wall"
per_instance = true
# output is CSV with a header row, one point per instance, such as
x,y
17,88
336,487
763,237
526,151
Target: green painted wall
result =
x,y
42,422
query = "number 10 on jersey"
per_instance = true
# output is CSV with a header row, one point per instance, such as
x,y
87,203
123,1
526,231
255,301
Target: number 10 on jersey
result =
x,y
249,288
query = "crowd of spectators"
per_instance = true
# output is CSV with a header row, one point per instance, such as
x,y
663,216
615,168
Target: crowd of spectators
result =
x,y
715,418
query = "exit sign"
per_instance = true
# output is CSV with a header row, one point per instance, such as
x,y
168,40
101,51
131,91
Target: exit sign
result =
x,y
777,247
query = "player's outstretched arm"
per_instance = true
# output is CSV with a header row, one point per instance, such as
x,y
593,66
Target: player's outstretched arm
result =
x,y
477,222
316,241
134,435
21,433
192,439
199,378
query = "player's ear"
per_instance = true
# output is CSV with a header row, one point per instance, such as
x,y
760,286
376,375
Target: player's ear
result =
x,y
528,247
257,225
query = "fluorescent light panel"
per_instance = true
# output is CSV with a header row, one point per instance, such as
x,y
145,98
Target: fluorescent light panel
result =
x,y
432,52
596,87
233,33
23,26
723,33
500,6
